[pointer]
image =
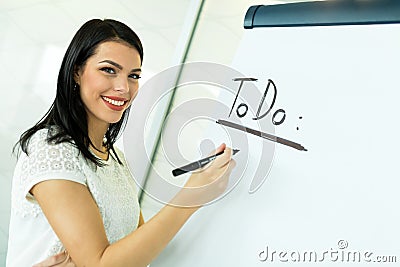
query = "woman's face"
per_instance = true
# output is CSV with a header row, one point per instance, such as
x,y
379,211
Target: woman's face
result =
x,y
109,82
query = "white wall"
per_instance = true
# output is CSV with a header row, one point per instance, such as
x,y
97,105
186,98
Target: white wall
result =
x,y
33,37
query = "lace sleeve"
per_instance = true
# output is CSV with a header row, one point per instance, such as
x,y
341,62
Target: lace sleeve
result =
x,y
48,162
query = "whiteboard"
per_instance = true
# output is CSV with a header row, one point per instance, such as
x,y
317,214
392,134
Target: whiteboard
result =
x,y
342,194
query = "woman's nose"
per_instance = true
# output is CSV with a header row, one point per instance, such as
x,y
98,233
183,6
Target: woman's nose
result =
x,y
121,85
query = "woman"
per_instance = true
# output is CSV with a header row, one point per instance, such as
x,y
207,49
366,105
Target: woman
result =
x,y
72,190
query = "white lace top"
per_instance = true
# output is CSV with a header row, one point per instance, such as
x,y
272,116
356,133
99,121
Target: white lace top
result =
x,y
31,238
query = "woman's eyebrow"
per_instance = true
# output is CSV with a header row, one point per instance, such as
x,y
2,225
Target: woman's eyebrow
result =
x,y
118,65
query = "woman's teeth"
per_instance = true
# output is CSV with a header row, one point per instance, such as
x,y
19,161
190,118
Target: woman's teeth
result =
x,y
114,102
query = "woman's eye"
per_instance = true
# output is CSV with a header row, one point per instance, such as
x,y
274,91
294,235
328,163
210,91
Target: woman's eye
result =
x,y
134,76
108,70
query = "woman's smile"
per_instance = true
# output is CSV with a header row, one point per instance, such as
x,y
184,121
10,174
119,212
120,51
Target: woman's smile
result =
x,y
115,103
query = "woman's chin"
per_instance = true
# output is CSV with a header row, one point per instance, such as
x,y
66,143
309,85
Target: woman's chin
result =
x,y
115,120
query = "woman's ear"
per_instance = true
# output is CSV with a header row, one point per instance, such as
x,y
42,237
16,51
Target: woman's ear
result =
x,y
77,75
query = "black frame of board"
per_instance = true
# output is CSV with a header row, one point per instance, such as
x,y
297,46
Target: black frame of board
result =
x,y
324,13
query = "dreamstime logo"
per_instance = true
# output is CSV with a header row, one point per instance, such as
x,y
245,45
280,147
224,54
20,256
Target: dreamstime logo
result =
x,y
339,254
191,128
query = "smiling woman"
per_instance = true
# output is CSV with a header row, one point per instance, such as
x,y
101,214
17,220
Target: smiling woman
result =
x,y
74,200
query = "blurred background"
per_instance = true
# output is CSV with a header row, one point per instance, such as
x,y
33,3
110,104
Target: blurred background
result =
x,y
34,35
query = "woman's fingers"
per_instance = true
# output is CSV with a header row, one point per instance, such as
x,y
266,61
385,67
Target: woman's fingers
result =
x,y
209,182
52,260
218,149
223,159
61,259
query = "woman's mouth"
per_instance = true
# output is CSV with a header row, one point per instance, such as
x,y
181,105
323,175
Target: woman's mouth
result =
x,y
115,103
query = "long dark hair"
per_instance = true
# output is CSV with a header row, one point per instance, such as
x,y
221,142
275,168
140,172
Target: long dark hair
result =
x,y
67,112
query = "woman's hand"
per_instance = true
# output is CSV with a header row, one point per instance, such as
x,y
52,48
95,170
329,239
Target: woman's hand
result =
x,y
59,260
207,183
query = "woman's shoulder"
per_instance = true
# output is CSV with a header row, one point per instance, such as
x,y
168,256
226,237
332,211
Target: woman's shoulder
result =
x,y
45,160
41,141
44,156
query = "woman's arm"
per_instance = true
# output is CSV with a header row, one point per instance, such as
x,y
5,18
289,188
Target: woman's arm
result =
x,y
63,259
75,218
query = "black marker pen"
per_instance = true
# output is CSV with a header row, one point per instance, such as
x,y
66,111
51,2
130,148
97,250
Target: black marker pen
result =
x,y
198,164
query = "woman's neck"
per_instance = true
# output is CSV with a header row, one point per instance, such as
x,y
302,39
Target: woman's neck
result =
x,y
96,134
